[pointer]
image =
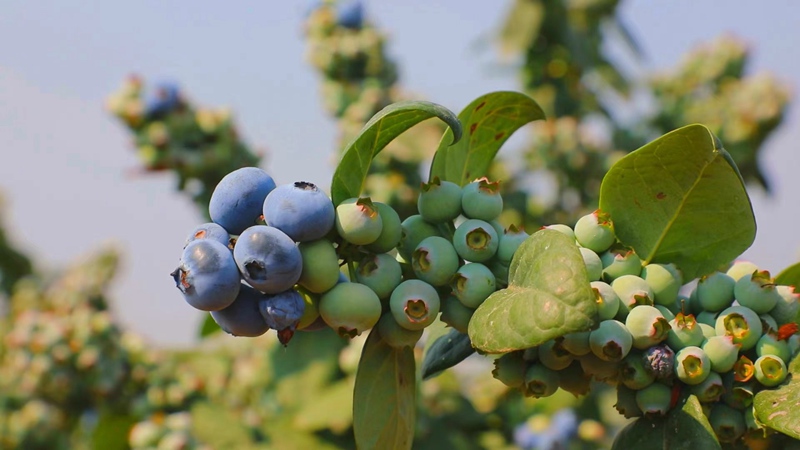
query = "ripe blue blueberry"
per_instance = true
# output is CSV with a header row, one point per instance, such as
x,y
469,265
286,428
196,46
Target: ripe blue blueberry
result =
x,y
268,259
207,275
211,231
165,99
282,312
481,200
237,201
350,14
241,318
475,240
439,201
358,221
301,210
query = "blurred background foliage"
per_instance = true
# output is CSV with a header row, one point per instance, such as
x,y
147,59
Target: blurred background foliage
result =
x,y
71,377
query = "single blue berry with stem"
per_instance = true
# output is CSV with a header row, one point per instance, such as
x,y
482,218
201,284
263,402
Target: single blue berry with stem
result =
x,y
242,318
301,210
207,275
282,312
238,199
268,259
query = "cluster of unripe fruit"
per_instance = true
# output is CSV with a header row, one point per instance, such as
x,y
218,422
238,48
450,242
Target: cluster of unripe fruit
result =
x,y
732,336
273,258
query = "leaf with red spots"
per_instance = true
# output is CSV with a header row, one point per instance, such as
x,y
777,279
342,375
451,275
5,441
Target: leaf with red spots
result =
x,y
491,119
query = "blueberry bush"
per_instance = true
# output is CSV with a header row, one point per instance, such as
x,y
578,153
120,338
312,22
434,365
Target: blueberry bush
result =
x,y
451,307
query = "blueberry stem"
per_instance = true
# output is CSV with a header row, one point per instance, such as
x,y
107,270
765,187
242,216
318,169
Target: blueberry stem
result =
x,y
351,269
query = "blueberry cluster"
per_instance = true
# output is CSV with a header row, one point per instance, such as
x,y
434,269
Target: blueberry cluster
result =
x,y
732,336
165,431
273,258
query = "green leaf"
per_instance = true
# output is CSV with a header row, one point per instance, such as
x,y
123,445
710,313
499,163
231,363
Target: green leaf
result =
x,y
548,296
489,120
218,427
446,352
778,408
384,408
684,428
331,409
790,276
209,327
111,431
680,199
387,124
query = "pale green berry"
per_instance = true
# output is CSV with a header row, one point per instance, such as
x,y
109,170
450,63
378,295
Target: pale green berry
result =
x,y
435,261
722,353
619,262
562,228
455,314
684,332
475,240
715,291
647,326
665,280
481,200
611,341
391,230
633,373
381,273
727,423
595,231
607,300
632,290
439,201
741,268
414,304
358,221
710,389
577,343
757,292
742,324
769,344
692,365
787,307
394,334
509,369
510,240
472,284
594,266
553,356
413,230
540,381
654,399
320,266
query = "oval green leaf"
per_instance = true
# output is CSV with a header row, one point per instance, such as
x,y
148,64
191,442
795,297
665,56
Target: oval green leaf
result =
x,y
684,428
790,276
548,296
489,121
384,402
351,173
778,408
446,352
680,199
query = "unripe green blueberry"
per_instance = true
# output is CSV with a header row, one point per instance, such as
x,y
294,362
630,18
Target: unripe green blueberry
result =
x,y
509,369
607,300
435,261
539,381
414,230
727,423
666,312
395,335
665,280
741,268
770,370
684,332
500,271
320,266
769,344
787,307
562,228
715,291
481,200
350,308
475,240
391,230
632,290
710,389
381,273
311,310
692,365
742,324
472,284
707,317
577,343
439,201
601,370
647,326
708,331
498,227
626,402
510,240
455,314
594,266
751,421
691,304
531,354
611,341
358,221
722,353
654,400
738,395
633,373
574,380
553,356
414,304
619,262
757,292
595,231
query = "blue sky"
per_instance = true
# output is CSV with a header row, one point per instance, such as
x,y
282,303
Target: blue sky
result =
x,y
65,163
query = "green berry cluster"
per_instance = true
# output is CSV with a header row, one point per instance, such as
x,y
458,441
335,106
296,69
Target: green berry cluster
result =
x,y
165,431
733,335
